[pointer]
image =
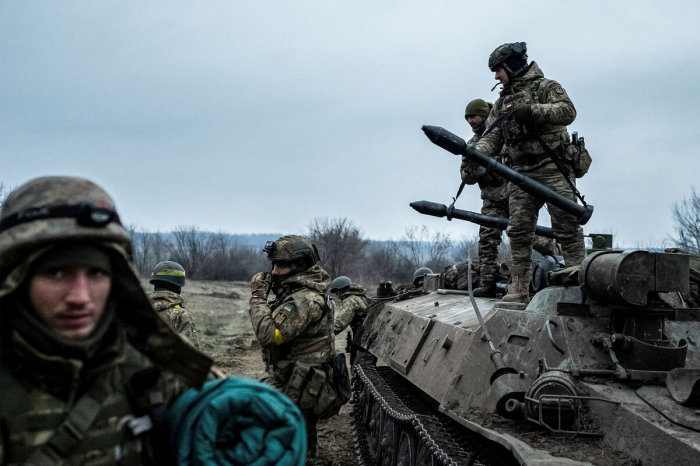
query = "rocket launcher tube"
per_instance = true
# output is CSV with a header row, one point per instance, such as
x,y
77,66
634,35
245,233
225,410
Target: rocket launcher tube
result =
x,y
458,146
441,210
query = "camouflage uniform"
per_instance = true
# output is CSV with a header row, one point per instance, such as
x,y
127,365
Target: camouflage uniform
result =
x,y
551,110
494,196
352,311
168,304
70,402
295,332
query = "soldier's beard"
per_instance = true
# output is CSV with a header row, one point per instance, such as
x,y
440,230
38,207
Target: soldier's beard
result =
x,y
479,128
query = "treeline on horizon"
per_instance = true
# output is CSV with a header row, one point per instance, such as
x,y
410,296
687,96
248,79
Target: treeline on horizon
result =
x,y
343,247
345,250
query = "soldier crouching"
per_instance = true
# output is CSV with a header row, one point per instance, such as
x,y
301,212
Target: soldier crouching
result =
x,y
296,330
87,368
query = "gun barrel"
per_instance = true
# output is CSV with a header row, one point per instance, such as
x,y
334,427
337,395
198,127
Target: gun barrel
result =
x,y
458,146
441,210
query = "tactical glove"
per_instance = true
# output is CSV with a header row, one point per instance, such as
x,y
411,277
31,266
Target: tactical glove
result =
x,y
470,172
260,284
523,115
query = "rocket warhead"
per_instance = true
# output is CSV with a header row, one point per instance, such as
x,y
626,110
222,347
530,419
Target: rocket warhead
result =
x,y
443,138
429,208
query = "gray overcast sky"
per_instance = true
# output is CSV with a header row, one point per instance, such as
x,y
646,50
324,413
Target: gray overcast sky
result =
x,y
259,116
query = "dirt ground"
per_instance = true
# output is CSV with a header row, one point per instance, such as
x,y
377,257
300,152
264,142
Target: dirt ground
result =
x,y
220,310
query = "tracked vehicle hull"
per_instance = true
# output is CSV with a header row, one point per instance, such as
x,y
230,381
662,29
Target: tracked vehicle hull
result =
x,y
562,400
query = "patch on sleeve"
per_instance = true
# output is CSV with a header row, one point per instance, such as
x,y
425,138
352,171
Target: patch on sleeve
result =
x,y
283,314
558,89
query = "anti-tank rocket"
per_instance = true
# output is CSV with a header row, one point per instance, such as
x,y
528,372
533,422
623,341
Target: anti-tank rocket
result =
x,y
458,146
441,210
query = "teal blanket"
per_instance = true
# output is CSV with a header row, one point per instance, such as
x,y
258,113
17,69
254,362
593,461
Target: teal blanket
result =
x,y
236,421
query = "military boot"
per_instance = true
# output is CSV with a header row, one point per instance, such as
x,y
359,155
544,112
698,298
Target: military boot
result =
x,y
519,286
486,290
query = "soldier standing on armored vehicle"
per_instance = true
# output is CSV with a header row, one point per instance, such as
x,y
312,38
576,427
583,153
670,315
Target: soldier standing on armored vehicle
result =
x,y
494,196
87,368
168,278
352,311
296,330
539,110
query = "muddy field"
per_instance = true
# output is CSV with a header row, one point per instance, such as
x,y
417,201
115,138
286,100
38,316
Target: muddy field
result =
x,y
220,310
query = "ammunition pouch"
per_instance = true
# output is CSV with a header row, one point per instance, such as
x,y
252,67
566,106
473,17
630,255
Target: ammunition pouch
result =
x,y
578,157
312,388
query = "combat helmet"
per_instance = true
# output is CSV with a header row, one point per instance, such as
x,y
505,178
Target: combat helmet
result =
x,y
511,57
300,252
168,272
420,273
340,283
49,212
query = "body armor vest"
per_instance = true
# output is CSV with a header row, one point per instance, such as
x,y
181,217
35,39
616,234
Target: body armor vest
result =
x,y
314,345
523,147
101,428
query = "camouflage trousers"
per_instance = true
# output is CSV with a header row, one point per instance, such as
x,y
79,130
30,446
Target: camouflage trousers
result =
x,y
489,239
362,357
310,419
524,210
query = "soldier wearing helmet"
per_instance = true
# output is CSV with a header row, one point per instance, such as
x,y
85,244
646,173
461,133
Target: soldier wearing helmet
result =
x,y
419,276
168,278
82,352
351,312
295,330
539,111
494,198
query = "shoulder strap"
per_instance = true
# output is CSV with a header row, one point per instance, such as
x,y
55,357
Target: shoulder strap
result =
x,y
73,429
558,162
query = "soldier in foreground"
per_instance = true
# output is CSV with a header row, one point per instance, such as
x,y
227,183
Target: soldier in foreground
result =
x,y
87,367
295,330
352,311
168,278
541,109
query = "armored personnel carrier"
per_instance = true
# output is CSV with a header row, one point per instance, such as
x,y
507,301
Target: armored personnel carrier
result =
x,y
601,370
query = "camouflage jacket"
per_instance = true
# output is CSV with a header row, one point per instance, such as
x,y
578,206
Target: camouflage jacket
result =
x,y
492,186
352,310
168,304
40,390
298,325
552,111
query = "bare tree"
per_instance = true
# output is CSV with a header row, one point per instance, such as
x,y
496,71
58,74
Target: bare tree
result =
x,y
418,247
466,246
382,263
190,249
162,249
340,242
219,247
686,216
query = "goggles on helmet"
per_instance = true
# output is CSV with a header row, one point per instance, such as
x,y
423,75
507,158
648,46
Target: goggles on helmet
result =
x,y
94,214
